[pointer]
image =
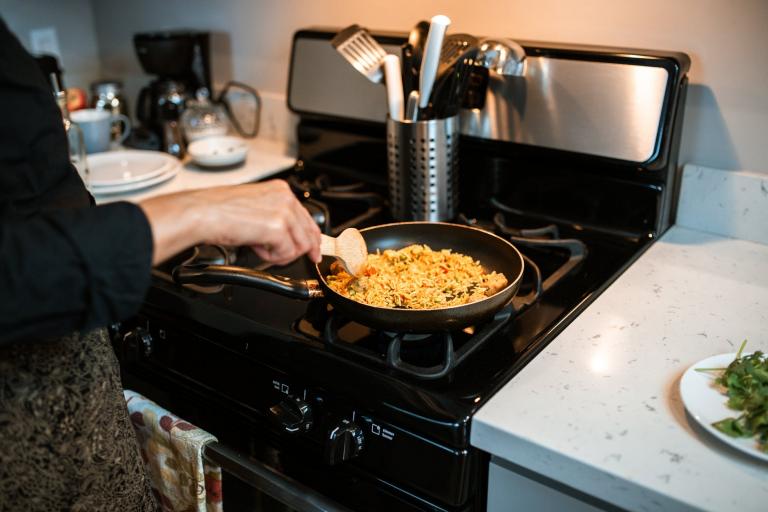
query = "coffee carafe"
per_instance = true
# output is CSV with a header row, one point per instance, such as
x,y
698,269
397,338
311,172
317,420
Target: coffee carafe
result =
x,y
162,100
180,61
159,109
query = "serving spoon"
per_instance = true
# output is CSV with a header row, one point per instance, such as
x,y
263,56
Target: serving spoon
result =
x,y
349,248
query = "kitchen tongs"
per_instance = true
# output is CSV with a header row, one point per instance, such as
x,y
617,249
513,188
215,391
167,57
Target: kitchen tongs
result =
x,y
457,57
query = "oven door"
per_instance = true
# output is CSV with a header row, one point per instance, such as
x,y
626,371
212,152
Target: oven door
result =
x,y
274,491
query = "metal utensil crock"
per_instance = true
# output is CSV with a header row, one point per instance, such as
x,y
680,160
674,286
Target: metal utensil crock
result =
x,y
423,165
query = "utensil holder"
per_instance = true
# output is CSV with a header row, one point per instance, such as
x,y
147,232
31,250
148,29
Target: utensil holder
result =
x,y
423,165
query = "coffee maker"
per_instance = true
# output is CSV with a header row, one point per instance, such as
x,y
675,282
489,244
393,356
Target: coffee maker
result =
x,y
180,60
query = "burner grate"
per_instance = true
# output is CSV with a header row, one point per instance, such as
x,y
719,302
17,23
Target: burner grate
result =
x,y
576,249
396,356
435,355
544,239
321,196
428,356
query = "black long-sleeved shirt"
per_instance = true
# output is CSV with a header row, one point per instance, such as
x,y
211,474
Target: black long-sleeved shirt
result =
x,y
64,264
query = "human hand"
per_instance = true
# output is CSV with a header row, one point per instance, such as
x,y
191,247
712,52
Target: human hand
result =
x,y
265,216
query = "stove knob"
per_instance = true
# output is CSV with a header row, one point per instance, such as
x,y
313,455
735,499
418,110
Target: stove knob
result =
x,y
344,442
292,414
139,341
113,330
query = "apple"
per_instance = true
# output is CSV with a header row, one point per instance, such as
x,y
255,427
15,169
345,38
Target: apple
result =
x,y
76,99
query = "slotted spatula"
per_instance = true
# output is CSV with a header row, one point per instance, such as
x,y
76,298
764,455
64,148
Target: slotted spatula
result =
x,y
453,50
360,49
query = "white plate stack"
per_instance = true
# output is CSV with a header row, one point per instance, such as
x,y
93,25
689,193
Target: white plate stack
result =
x,y
119,172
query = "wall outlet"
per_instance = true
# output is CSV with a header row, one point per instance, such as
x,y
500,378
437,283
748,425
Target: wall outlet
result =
x,y
44,40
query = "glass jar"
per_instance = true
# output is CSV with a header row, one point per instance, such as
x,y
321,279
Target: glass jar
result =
x,y
108,95
203,118
75,139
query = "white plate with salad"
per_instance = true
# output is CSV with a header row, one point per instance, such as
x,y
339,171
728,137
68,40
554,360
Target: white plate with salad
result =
x,y
706,399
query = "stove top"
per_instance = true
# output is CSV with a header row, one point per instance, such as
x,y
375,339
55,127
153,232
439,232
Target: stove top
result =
x,y
435,378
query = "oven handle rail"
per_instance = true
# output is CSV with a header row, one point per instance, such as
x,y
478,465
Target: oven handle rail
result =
x,y
266,479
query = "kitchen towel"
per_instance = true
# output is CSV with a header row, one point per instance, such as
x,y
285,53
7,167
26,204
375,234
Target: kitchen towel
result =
x,y
172,449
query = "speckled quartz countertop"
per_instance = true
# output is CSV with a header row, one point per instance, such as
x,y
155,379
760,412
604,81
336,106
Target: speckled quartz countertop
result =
x,y
599,410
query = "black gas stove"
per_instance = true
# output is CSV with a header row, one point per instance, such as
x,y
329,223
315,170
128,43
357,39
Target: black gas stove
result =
x,y
379,420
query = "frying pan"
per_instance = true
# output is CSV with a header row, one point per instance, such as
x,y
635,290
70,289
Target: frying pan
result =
x,y
493,252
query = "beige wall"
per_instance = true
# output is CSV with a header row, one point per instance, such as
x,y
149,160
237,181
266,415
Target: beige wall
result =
x,y
727,111
73,21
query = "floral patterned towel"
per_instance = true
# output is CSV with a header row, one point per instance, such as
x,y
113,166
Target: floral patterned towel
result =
x,y
172,449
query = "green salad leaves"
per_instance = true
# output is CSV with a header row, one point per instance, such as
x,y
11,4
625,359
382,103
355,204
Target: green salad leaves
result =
x,y
746,383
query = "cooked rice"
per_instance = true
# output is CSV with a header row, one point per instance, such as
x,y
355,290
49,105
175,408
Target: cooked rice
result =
x,y
416,277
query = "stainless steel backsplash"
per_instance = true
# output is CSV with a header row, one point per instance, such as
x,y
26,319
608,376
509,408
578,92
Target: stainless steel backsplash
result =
x,y
594,107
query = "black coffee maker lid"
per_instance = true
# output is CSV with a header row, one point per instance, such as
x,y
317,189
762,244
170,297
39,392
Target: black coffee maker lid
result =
x,y
167,34
170,54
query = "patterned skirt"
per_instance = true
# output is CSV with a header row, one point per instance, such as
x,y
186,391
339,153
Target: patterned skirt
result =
x,y
66,442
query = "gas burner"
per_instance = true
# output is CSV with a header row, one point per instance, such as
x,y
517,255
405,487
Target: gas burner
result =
x,y
321,196
548,231
575,249
544,241
406,337
427,356
322,185
424,356
213,255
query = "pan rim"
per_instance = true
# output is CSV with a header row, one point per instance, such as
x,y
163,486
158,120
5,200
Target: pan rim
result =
x,y
512,284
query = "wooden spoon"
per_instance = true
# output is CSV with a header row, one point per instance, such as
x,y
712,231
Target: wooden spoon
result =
x,y
349,248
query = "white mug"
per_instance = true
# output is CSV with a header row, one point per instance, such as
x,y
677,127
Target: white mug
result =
x,y
97,127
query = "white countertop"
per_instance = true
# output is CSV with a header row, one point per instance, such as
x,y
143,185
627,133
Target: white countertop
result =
x,y
265,157
599,408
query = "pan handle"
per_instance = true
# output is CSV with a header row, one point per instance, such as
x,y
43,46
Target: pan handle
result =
x,y
202,274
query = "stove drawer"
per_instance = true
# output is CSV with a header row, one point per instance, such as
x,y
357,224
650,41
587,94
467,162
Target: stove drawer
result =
x,y
416,461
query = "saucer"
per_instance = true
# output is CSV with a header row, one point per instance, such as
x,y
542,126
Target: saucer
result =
x,y
218,151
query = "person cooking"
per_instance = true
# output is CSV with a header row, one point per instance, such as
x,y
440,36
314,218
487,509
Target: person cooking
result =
x,y
69,269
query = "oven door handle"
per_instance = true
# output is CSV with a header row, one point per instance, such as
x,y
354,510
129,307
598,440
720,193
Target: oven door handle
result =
x,y
268,480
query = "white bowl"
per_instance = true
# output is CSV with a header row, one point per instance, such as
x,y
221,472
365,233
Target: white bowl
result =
x,y
218,151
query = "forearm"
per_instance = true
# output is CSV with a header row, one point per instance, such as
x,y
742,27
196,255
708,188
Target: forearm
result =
x,y
177,220
264,216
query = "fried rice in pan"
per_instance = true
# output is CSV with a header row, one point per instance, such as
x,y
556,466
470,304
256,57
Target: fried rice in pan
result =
x,y
416,277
